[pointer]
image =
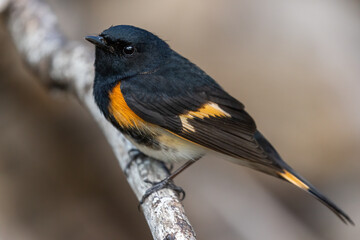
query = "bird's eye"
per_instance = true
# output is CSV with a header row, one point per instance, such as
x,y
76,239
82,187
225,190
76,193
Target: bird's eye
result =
x,y
129,50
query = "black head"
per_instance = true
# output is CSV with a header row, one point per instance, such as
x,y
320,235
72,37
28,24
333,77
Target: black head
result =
x,y
123,51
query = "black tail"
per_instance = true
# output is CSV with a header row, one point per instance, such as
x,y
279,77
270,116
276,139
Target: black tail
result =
x,y
291,177
287,173
340,213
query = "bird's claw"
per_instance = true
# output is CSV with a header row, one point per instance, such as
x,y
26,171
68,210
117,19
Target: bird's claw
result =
x,y
134,155
156,186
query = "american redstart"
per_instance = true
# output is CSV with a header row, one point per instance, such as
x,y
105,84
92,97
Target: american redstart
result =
x,y
172,111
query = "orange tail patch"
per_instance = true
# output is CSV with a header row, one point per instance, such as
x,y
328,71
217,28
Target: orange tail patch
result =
x,y
293,179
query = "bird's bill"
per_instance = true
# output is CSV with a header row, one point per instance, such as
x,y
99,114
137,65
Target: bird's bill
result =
x,y
96,40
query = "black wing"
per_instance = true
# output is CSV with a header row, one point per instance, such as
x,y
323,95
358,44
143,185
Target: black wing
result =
x,y
200,111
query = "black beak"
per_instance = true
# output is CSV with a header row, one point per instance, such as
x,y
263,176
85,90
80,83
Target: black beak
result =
x,y
96,40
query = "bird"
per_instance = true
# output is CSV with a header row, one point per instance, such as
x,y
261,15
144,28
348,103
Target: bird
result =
x,y
173,111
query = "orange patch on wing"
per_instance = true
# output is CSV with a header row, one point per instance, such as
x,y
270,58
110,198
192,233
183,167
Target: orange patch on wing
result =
x,y
121,111
208,110
294,180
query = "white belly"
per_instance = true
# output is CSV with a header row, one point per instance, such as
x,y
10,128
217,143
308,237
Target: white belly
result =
x,y
172,148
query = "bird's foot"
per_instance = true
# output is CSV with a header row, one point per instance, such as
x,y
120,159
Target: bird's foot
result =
x,y
156,186
134,154
168,167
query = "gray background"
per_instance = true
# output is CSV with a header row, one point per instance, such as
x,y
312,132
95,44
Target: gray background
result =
x,y
294,64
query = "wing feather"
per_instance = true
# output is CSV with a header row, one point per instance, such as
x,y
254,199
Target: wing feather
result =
x,y
205,115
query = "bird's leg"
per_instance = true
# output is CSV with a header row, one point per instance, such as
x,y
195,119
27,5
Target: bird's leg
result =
x,y
168,167
135,154
167,183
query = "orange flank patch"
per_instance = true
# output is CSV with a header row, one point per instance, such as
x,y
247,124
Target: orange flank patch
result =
x,y
120,110
294,180
208,110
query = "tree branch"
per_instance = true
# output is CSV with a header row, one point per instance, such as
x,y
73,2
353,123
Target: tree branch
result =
x,y
67,65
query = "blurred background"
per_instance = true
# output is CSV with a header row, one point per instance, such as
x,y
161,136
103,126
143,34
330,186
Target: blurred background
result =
x,y
294,64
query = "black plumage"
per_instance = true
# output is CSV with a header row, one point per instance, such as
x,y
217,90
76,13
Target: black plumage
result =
x,y
170,98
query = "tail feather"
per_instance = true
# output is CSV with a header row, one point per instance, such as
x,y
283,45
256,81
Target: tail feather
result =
x,y
307,187
285,172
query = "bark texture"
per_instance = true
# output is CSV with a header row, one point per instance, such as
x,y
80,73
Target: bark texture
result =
x,y
68,66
